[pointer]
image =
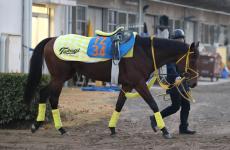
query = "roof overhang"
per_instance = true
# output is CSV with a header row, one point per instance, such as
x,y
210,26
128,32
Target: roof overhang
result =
x,y
57,2
214,6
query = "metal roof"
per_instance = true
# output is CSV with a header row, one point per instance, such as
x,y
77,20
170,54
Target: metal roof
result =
x,y
215,5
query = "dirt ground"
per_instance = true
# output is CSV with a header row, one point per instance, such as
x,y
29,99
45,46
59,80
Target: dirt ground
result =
x,y
86,114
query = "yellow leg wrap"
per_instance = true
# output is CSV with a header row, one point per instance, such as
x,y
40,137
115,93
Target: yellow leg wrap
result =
x,y
159,120
114,118
41,112
57,118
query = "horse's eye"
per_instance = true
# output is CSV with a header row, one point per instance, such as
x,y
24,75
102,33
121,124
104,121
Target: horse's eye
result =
x,y
186,75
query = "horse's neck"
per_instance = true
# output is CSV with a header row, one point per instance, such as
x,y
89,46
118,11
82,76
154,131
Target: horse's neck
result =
x,y
168,51
166,59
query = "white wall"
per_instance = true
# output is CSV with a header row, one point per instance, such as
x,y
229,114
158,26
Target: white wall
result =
x,y
11,16
13,54
11,12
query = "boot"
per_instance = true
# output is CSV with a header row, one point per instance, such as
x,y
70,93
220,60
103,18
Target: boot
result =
x,y
187,131
183,129
166,134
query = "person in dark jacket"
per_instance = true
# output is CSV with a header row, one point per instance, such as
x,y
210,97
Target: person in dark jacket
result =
x,y
178,101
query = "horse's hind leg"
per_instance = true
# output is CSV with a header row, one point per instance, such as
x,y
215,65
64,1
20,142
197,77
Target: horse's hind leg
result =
x,y
44,95
120,103
143,90
55,91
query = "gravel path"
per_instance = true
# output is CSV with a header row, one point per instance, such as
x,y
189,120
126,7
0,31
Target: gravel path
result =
x,y
210,117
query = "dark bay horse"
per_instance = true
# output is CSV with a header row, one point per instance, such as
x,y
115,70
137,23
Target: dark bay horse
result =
x,y
133,74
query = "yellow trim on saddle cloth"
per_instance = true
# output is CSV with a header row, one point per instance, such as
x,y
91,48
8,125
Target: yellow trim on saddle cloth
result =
x,y
41,112
114,118
57,118
99,32
159,120
75,48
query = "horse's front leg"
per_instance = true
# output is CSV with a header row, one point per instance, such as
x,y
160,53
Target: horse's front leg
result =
x,y
119,105
143,90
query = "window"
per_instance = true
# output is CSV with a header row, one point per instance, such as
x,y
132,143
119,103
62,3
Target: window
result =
x,y
112,20
156,23
216,34
40,9
122,19
211,28
132,22
116,18
40,23
79,20
179,24
205,34
223,35
211,34
189,28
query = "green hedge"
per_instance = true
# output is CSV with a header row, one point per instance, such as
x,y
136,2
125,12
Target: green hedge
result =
x,y
12,106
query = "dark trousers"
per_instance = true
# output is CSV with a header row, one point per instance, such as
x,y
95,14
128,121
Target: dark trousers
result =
x,y
178,102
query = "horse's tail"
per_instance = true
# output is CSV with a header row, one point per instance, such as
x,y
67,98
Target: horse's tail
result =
x,y
35,71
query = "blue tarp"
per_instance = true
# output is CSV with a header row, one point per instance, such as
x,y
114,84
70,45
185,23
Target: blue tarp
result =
x,y
98,88
225,73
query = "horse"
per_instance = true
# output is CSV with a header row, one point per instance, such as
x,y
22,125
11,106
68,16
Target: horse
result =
x,y
133,74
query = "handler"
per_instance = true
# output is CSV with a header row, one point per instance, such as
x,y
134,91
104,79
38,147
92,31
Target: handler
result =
x,y
177,100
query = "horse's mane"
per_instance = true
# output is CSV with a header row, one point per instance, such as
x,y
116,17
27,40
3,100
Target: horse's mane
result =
x,y
166,46
170,45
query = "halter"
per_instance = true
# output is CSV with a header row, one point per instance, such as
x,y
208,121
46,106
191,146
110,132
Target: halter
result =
x,y
187,65
167,86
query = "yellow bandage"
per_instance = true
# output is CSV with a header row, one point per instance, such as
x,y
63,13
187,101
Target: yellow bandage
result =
x,y
114,119
57,118
41,112
159,120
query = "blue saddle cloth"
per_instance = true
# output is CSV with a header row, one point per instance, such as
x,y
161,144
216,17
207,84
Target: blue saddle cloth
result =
x,y
101,47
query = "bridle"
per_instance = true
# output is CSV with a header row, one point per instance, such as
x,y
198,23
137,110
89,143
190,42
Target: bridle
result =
x,y
187,68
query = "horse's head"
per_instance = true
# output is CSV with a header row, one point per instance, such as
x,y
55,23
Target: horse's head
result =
x,y
187,64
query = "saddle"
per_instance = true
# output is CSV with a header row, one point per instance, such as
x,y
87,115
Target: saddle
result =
x,y
118,37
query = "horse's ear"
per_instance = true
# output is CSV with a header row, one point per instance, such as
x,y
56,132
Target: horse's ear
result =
x,y
192,45
197,44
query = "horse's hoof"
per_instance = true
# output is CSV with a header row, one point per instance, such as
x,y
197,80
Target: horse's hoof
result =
x,y
35,126
112,129
62,131
153,123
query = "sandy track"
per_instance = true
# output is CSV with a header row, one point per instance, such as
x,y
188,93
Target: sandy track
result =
x,y
86,115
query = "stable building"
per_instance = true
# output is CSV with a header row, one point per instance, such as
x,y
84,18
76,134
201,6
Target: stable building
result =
x,y
26,22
